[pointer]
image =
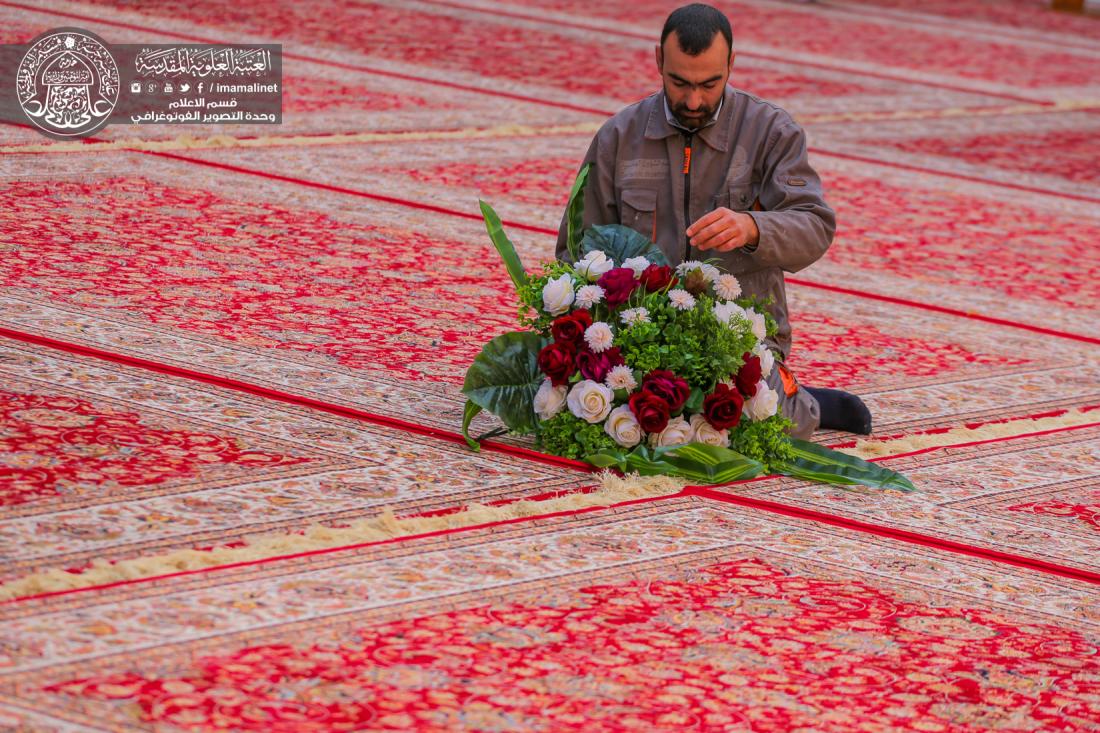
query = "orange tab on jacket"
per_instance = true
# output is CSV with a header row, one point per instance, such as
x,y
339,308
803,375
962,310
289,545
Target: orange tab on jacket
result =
x,y
790,384
687,161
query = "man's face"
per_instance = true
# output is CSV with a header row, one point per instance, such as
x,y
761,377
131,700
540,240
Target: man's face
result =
x,y
694,84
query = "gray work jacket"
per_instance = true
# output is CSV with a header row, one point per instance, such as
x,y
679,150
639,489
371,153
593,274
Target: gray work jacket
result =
x,y
752,159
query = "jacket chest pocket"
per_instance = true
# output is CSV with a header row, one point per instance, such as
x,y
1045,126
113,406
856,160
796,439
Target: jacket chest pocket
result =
x,y
639,211
737,197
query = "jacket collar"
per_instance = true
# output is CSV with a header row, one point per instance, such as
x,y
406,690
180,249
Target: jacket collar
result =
x,y
715,134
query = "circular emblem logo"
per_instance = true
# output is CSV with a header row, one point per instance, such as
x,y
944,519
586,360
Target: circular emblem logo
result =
x,y
67,83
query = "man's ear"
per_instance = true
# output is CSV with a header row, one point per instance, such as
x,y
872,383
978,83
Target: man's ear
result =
x,y
660,59
732,57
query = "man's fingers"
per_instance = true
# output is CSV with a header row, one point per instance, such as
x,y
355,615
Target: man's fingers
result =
x,y
705,220
709,232
725,240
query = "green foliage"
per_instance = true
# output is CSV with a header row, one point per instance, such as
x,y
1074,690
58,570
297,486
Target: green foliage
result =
x,y
693,344
761,305
567,435
765,441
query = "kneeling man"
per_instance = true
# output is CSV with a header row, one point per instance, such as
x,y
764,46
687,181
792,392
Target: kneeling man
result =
x,y
708,171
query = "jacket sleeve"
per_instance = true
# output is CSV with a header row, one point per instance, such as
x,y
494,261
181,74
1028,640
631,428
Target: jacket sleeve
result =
x,y
599,192
796,225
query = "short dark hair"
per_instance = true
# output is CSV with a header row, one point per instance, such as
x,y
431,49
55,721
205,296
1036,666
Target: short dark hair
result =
x,y
695,26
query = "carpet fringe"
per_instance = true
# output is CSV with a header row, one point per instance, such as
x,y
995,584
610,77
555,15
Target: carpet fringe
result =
x,y
960,435
384,526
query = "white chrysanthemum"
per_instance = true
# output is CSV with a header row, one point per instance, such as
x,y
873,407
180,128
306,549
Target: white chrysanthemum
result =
x,y
763,404
590,401
621,377
589,295
677,432
767,359
726,311
637,264
630,316
705,433
592,265
759,325
549,400
710,272
623,427
599,337
727,287
558,295
681,299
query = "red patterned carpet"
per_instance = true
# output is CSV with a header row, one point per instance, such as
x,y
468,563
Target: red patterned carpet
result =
x,y
217,345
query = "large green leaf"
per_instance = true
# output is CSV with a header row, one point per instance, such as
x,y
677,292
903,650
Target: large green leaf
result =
x,y
712,464
505,377
574,213
504,245
704,464
817,463
620,243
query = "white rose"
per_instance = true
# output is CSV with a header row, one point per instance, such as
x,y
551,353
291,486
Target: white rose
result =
x,y
759,325
725,312
767,359
703,432
592,265
677,432
599,337
549,400
623,427
590,401
637,264
764,404
558,295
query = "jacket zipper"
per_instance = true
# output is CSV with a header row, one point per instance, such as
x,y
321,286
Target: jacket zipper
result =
x,y
687,192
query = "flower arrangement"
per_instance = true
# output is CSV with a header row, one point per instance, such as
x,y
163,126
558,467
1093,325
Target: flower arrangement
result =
x,y
630,363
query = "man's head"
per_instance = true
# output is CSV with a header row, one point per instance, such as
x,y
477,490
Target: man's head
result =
x,y
694,58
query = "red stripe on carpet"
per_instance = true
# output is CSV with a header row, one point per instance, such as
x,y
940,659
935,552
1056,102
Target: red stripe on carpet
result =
x,y
941,309
960,176
341,410
746,54
899,534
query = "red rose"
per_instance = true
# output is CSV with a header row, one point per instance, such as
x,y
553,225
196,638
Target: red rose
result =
x,y
596,366
657,277
749,375
617,285
666,385
722,407
570,328
558,361
650,411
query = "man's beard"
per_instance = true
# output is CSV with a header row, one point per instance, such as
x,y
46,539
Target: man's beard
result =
x,y
702,116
